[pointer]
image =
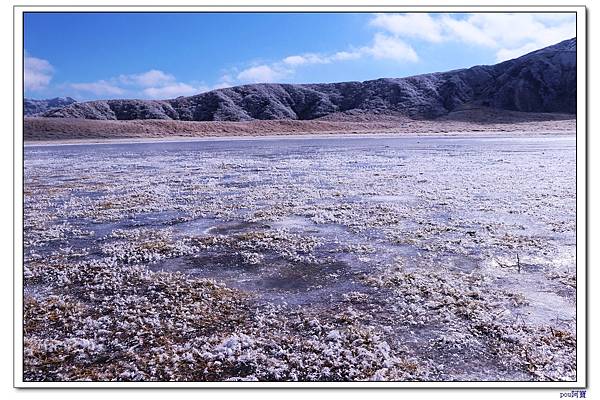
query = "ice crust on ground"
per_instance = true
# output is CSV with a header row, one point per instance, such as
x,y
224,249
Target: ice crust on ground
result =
x,y
330,260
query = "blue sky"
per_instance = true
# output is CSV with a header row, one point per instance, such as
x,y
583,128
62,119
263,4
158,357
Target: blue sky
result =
x,y
165,55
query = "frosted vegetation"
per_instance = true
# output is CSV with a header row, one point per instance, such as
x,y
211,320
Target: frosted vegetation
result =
x,y
312,259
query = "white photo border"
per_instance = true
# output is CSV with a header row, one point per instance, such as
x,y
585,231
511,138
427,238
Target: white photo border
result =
x,y
581,190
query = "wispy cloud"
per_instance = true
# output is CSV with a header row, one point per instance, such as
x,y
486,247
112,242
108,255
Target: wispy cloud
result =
x,y
99,88
304,59
383,46
152,78
37,73
174,89
263,73
151,84
314,58
225,81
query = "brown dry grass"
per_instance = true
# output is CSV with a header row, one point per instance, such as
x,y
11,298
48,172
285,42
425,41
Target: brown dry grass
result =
x,y
49,129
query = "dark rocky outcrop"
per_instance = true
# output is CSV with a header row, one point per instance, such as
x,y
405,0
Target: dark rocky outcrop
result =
x,y
541,81
33,107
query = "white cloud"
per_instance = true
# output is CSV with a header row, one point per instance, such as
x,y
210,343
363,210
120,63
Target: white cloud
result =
x,y
294,60
152,84
173,90
555,17
98,88
262,74
37,73
346,55
222,85
466,31
499,30
307,59
313,58
511,35
415,25
517,34
508,54
391,48
224,82
151,78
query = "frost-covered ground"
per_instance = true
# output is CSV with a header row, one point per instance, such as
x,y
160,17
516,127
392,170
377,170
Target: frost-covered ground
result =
x,y
415,258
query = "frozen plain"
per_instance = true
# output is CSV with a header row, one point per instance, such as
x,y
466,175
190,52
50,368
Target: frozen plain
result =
x,y
330,259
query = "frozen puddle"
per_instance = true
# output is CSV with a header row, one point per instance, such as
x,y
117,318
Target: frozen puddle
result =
x,y
317,277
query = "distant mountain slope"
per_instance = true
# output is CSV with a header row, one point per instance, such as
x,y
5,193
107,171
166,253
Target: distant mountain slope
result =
x,y
36,107
541,81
